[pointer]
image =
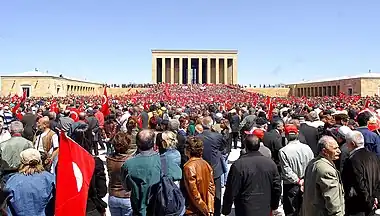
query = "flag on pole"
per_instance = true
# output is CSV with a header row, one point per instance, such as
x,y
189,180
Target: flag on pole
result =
x,y
105,106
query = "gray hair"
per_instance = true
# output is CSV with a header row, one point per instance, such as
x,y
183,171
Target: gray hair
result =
x,y
170,138
16,127
324,142
355,137
292,137
173,125
207,122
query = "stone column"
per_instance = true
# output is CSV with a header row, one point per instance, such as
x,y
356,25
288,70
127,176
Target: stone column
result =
x,y
208,70
189,74
163,70
226,71
216,70
200,71
172,70
154,69
180,71
234,71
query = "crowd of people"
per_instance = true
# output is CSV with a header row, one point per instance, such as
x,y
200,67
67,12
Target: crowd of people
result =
x,y
167,152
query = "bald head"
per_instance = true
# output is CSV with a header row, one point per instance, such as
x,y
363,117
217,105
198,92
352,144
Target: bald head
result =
x,y
43,123
82,116
199,128
145,139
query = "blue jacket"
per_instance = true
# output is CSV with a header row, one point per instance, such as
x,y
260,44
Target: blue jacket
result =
x,y
32,194
371,140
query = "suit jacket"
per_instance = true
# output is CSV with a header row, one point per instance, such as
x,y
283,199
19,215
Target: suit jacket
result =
x,y
309,135
323,190
213,145
361,181
274,141
235,122
253,184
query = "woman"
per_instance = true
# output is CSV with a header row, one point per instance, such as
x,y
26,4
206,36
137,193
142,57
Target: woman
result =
x,y
199,180
167,149
110,129
183,125
31,189
132,131
119,200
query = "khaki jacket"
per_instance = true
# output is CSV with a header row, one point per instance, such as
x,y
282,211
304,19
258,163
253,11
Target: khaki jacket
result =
x,y
323,190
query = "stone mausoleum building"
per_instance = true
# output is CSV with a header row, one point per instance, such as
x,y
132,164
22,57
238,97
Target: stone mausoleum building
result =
x,y
364,85
39,84
195,66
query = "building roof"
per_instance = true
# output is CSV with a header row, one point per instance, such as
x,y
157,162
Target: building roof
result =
x,y
365,75
195,51
45,74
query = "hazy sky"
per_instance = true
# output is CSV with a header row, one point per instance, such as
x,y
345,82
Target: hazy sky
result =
x,y
111,40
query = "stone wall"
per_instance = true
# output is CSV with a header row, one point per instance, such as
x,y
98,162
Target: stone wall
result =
x,y
272,92
124,91
370,86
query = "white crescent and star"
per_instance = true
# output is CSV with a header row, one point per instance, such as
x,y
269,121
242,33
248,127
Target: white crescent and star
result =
x,y
75,113
104,99
78,176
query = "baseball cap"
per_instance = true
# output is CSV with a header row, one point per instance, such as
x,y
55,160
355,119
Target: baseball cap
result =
x,y
257,132
291,129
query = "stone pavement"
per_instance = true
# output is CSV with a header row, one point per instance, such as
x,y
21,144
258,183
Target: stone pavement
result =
x,y
234,155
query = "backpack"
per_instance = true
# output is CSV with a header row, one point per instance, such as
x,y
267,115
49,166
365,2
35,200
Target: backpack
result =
x,y
167,198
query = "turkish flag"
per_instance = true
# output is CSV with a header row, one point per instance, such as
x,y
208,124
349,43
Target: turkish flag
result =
x,y
23,99
74,113
54,106
74,173
105,107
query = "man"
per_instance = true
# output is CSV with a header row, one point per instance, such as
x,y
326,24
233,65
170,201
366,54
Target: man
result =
x,y
371,139
66,121
93,125
214,144
173,126
323,190
29,123
361,177
53,122
8,116
12,148
47,141
235,122
294,158
309,133
248,121
141,172
274,140
253,183
259,133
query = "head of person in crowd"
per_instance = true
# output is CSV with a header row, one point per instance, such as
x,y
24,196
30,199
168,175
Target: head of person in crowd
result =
x,y
218,117
341,118
355,139
295,122
252,143
39,112
66,113
352,124
194,147
169,141
121,142
262,123
90,112
259,133
131,123
183,122
312,116
52,116
329,119
16,128
278,125
198,129
328,148
342,134
207,123
363,119
291,132
43,123
145,140
31,162
82,116
173,125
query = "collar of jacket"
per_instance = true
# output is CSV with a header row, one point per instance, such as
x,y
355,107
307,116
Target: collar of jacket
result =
x,y
147,152
16,134
326,161
252,153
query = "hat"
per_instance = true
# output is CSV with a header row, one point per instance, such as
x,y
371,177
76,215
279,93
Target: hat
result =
x,y
344,130
233,111
30,155
291,129
163,108
219,116
259,133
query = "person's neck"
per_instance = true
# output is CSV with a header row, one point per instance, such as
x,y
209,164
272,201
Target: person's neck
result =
x,y
16,134
46,130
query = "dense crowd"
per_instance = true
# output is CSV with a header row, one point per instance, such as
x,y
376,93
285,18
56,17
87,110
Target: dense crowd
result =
x,y
168,148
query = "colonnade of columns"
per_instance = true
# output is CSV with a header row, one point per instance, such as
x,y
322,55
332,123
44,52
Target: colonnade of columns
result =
x,y
186,70
317,91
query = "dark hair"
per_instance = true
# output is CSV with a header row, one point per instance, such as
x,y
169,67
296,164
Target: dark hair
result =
x,y
363,118
194,146
252,143
121,142
145,139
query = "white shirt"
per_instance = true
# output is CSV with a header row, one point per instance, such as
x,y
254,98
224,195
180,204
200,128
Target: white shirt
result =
x,y
39,145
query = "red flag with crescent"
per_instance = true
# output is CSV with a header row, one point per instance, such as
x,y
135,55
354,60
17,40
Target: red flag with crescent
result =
x,y
54,106
23,99
74,173
105,106
74,113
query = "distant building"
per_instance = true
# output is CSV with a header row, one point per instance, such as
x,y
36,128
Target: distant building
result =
x,y
39,84
364,85
195,66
